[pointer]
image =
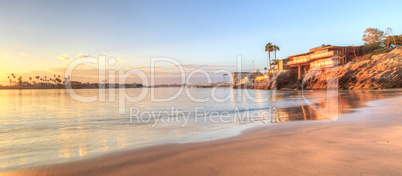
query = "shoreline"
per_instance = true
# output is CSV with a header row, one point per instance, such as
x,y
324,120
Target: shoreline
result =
x,y
251,88
40,88
252,144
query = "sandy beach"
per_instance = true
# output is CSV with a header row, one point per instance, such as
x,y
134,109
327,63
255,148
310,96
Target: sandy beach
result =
x,y
367,141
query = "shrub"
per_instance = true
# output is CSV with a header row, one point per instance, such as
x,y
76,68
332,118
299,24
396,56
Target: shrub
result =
x,y
367,56
370,48
381,51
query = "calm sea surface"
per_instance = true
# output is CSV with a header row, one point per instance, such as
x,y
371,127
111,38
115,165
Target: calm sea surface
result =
x,y
47,126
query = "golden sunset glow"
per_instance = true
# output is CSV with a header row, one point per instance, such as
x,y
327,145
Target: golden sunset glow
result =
x,y
205,88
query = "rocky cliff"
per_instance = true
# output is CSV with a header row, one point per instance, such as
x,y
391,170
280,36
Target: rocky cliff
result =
x,y
381,71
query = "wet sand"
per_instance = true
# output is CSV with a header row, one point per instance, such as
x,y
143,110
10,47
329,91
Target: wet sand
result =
x,y
367,141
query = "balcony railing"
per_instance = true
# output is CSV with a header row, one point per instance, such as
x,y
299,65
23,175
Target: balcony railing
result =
x,y
319,55
306,58
298,60
324,63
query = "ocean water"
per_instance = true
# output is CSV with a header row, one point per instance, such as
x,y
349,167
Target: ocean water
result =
x,y
48,126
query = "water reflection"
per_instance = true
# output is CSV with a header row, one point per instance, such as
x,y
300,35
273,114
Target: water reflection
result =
x,y
65,153
83,150
41,126
297,113
343,102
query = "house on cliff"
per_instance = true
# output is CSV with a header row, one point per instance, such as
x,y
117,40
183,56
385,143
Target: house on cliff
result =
x,y
323,57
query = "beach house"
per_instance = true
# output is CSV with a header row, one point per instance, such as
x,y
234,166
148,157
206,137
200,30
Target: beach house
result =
x,y
322,57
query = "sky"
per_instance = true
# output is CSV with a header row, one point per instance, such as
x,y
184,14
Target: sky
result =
x,y
39,38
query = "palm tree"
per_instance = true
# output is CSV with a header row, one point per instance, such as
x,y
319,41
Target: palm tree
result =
x,y
20,80
269,49
13,76
274,62
265,68
30,80
37,78
224,77
58,80
275,48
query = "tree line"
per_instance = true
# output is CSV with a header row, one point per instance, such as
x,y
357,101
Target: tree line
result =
x,y
14,80
377,41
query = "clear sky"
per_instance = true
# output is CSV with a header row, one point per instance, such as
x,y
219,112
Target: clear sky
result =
x,y
42,37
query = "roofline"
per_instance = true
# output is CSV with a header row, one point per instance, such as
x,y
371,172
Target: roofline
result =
x,y
349,46
300,54
332,46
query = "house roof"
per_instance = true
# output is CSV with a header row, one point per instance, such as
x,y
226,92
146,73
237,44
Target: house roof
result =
x,y
322,47
300,54
331,46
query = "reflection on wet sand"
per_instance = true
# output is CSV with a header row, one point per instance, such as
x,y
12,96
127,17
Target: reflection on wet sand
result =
x,y
65,153
331,106
355,99
297,113
83,150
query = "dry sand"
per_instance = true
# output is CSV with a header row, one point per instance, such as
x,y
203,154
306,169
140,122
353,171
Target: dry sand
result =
x,y
367,142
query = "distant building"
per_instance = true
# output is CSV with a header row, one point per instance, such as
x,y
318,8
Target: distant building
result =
x,y
43,85
73,84
245,77
281,65
323,57
24,84
76,84
237,77
250,78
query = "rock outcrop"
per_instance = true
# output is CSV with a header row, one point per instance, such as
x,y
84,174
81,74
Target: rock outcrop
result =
x,y
381,71
281,80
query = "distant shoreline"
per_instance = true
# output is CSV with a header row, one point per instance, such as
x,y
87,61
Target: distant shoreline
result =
x,y
19,88
283,89
27,88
